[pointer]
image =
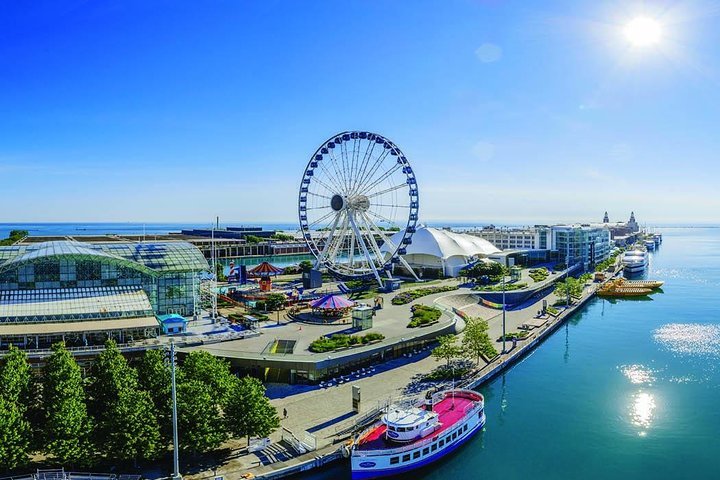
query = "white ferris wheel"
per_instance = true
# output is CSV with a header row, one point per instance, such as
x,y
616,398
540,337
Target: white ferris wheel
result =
x,y
358,189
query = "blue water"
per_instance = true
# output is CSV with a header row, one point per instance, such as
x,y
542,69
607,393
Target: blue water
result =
x,y
626,389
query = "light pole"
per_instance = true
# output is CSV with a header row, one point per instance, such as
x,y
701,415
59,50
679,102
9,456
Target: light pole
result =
x,y
503,310
176,460
567,283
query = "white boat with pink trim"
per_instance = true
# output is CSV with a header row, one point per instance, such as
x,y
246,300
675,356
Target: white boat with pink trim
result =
x,y
411,437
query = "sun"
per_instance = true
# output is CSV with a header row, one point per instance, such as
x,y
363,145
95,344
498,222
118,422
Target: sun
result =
x,y
643,32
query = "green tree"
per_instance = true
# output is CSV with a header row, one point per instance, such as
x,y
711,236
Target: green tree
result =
x,y
448,349
16,379
253,239
131,428
283,237
476,341
212,371
14,236
220,272
14,436
275,301
249,412
127,428
305,266
154,378
110,373
199,422
571,285
67,425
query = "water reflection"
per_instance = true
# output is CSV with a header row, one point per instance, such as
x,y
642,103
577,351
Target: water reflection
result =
x,y
638,374
642,410
689,338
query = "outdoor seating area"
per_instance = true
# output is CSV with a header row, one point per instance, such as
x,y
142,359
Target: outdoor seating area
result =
x,y
354,375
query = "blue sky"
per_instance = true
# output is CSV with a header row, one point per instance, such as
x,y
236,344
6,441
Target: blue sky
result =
x,y
509,111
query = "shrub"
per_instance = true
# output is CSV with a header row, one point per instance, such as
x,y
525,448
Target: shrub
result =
x,y
518,335
423,315
539,274
341,340
410,295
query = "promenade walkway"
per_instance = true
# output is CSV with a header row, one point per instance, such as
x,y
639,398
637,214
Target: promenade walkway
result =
x,y
327,412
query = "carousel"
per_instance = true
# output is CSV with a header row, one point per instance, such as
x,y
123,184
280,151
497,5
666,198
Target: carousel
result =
x,y
264,273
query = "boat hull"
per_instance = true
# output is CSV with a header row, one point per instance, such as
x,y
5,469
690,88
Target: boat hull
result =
x,y
377,466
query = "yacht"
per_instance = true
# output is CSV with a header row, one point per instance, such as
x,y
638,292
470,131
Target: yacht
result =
x,y
407,438
635,261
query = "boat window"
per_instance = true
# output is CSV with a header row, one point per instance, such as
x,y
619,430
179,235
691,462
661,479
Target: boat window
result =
x,y
406,457
426,450
391,428
433,447
394,460
442,442
465,428
453,435
416,454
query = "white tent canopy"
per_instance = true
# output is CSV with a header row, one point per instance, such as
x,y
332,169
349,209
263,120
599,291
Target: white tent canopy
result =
x,y
443,249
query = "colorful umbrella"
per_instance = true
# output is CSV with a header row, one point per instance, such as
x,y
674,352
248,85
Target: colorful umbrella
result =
x,y
265,270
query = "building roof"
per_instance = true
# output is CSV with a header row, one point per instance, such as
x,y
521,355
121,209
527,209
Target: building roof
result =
x,y
445,243
49,328
150,257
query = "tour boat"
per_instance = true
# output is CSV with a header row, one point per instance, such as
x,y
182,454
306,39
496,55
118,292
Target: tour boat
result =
x,y
410,437
635,261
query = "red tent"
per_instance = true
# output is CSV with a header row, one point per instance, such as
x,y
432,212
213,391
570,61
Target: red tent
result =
x,y
264,270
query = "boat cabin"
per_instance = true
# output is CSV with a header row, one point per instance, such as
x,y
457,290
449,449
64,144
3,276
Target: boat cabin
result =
x,y
408,424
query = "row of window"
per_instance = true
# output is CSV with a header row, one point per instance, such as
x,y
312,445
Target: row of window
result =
x,y
425,451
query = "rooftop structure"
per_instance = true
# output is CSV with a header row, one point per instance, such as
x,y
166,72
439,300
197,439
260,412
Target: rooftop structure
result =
x,y
443,251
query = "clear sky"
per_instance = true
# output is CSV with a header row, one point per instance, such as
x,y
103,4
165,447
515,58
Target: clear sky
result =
x,y
509,111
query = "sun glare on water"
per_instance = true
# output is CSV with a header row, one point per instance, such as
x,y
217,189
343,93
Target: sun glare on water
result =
x,y
643,32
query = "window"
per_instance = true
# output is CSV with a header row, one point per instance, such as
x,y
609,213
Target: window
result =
x,y
391,428
433,447
442,442
426,450
465,428
406,457
394,460
454,435
416,454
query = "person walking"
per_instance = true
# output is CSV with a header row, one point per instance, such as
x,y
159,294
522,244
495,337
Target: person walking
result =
x,y
284,412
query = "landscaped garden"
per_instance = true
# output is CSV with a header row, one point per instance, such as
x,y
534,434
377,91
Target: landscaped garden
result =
x,y
403,298
539,274
422,316
499,287
519,335
340,340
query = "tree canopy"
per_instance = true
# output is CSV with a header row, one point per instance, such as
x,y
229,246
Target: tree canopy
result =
x,y
448,349
476,340
249,412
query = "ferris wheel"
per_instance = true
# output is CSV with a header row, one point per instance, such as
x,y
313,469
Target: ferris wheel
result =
x,y
357,191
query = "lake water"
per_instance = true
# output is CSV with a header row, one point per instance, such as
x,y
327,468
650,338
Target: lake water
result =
x,y
626,389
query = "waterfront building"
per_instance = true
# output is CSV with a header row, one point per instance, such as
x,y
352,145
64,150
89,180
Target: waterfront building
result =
x,y
585,243
525,238
86,292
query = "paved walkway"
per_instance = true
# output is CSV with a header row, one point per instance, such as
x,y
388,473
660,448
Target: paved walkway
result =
x,y
327,411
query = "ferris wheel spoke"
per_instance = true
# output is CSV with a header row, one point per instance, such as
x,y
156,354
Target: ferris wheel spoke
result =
x,y
340,168
318,195
330,189
388,190
321,257
364,249
340,240
381,217
323,207
375,166
365,162
389,205
321,219
382,177
332,178
371,236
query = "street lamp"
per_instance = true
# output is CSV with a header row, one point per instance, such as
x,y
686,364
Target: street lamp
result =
x,y
176,460
503,310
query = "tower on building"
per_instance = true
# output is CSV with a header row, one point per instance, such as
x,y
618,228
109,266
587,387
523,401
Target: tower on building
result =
x,y
632,224
606,219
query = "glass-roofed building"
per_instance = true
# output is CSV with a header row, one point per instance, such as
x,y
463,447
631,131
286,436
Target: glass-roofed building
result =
x,y
84,293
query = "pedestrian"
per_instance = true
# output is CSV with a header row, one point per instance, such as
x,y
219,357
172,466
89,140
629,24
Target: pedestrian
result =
x,y
284,412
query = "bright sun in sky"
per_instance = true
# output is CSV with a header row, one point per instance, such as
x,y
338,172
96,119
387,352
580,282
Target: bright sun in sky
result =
x,y
643,31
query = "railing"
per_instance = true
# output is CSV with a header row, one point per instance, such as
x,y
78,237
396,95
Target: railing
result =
x,y
61,474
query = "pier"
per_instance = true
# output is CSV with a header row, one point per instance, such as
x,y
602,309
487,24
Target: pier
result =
x,y
326,414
